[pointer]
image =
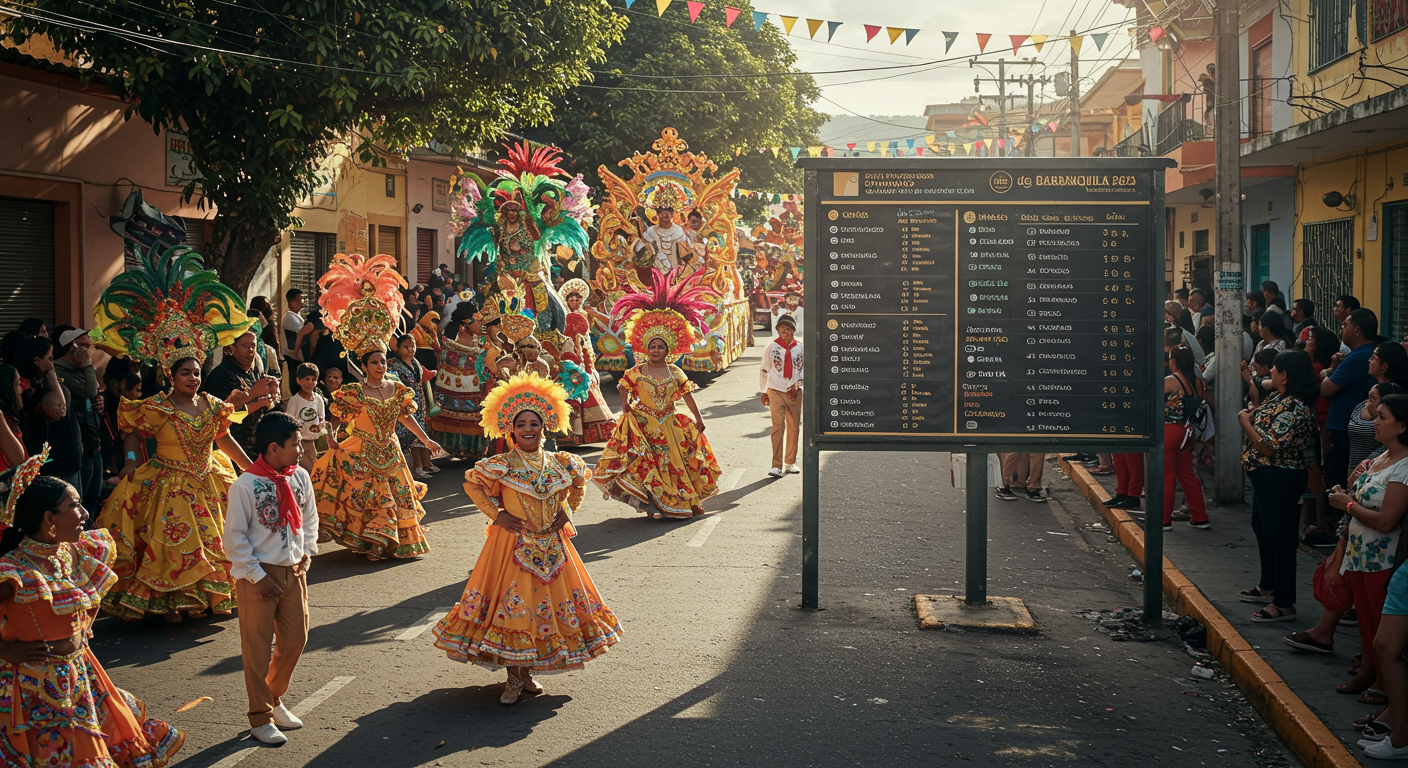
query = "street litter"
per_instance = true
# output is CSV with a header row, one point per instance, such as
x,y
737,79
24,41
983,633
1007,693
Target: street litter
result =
x,y
1203,672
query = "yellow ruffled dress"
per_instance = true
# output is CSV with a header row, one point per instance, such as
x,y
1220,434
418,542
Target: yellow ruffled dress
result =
x,y
168,519
529,601
367,499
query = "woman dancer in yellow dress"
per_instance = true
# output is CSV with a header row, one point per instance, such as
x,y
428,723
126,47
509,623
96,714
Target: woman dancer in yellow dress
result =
x,y
167,515
367,499
60,707
529,604
658,459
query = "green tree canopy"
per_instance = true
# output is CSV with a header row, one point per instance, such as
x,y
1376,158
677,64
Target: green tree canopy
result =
x,y
263,88
722,88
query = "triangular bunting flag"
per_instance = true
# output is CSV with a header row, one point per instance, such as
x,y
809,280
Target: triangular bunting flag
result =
x,y
894,143
899,152
920,151
661,5
949,37
950,135
869,146
759,19
1038,41
829,152
1017,41
909,35
909,143
894,33
1001,143
630,3
983,38
979,144
775,150
1100,40
851,145
787,22
1076,41
813,25
694,9
831,27
795,151
870,32
814,151
731,14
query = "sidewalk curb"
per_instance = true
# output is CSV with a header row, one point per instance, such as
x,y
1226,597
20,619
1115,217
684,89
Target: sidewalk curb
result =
x,y
1307,736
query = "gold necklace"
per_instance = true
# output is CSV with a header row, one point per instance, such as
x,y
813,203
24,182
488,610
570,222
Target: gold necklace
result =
x,y
539,483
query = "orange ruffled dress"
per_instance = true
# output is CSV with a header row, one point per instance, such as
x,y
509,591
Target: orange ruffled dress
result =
x,y
65,711
169,517
529,601
657,455
367,499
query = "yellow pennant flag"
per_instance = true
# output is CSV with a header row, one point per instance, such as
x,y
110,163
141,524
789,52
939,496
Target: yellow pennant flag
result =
x,y
775,150
933,142
968,147
814,151
661,5
894,33
870,146
1076,42
787,22
1038,41
813,25
953,149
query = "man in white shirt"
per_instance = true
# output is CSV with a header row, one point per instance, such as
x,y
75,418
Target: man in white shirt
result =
x,y
666,239
271,531
292,324
780,388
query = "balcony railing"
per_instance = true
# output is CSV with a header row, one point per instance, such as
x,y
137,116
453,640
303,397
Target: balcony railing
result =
x,y
1183,121
1134,145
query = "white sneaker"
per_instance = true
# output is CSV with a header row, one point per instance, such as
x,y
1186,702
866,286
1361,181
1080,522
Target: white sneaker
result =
x,y
285,719
268,733
775,472
792,469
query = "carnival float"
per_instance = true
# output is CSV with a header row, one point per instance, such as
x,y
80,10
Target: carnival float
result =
x,y
777,265
632,240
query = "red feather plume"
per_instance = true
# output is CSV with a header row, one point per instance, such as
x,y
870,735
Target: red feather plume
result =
x,y
522,158
685,297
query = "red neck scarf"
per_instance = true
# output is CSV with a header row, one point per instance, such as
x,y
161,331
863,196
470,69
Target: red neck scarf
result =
x,y
289,512
786,354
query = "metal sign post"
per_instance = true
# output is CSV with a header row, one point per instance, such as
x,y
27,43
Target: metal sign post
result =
x,y
983,305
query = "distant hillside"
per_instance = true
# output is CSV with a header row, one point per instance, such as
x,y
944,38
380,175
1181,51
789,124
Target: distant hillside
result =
x,y
843,129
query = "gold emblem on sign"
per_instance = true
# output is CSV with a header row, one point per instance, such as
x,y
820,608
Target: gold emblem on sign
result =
x,y
1001,182
970,217
833,215
832,324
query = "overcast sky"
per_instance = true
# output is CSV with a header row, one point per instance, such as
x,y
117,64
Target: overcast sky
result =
x,y
909,93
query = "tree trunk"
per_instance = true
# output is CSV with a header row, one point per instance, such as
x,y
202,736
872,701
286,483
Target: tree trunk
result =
x,y
236,251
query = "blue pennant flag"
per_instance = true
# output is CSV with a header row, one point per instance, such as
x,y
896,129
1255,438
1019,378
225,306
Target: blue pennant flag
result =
x,y
759,19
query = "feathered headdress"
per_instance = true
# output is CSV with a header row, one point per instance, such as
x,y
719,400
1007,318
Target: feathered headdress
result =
x,y
670,311
524,392
361,301
16,480
167,309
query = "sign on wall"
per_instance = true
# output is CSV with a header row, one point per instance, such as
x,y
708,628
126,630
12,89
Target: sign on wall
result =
x,y
440,195
179,170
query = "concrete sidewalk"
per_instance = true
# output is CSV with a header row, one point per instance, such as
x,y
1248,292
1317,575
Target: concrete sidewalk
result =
x,y
1298,697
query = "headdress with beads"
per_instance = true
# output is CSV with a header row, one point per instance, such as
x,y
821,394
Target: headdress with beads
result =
x,y
668,195
670,311
524,392
575,287
362,301
167,309
14,482
513,314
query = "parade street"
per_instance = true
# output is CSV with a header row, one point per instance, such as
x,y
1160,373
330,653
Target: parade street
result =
x,y
718,664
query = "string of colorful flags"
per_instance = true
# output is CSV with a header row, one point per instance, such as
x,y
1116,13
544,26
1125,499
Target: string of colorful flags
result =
x,y
934,144
696,8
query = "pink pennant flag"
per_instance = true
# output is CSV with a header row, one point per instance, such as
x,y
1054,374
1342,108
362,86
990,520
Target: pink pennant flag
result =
x,y
871,31
694,9
731,13
851,145
920,150
1017,41
983,38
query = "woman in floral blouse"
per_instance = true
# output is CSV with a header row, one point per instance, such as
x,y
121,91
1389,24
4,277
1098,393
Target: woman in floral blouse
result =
x,y
1375,503
1278,448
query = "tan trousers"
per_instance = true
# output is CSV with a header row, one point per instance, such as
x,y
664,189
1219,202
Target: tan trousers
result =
x,y
310,455
1022,470
272,636
786,416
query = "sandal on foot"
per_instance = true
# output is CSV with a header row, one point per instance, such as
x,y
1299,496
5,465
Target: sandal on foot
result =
x,y
1255,595
1273,613
1373,697
1302,641
1375,730
1360,723
1350,690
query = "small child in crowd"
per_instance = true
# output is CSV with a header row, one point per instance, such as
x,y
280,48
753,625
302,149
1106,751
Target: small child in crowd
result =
x,y
309,409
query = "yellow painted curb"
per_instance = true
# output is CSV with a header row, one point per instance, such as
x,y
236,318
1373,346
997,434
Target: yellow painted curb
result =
x,y
1307,735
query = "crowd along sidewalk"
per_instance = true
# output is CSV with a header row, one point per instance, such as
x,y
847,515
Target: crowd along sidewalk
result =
x,y
1203,572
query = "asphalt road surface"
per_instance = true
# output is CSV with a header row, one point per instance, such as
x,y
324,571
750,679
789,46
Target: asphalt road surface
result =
x,y
718,665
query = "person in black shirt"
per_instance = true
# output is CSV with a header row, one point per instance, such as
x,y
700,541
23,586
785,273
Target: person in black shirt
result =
x,y
236,382
75,371
48,417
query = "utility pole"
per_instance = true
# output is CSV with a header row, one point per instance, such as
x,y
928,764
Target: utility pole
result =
x,y
1075,98
1002,81
1028,135
1227,181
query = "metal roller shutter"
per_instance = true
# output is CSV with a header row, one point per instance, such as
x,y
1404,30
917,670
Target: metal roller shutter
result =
x,y
27,261
303,264
388,241
425,254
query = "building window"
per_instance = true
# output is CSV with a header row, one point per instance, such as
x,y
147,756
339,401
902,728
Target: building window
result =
x,y
1327,262
1259,113
390,185
1200,241
1329,31
1180,238
1387,17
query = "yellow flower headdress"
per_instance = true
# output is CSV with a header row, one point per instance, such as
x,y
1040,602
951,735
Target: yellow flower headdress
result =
x,y
524,392
167,309
14,482
362,301
575,287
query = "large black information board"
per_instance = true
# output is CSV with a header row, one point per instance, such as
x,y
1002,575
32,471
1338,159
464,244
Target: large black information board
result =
x,y
1001,302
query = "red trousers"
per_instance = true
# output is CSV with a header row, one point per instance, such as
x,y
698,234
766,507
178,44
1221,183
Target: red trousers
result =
x,y
1178,466
1370,590
1129,474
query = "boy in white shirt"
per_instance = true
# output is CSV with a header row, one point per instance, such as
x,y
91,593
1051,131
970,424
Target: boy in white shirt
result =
x,y
780,386
308,408
271,531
